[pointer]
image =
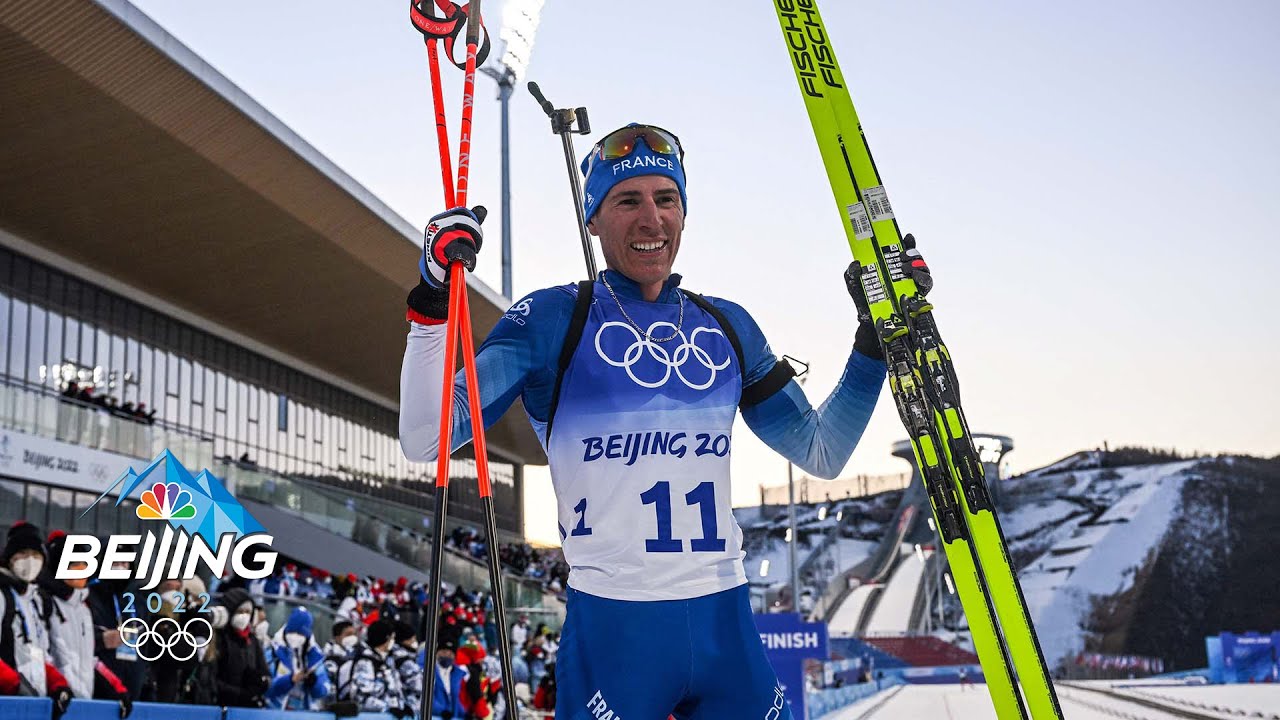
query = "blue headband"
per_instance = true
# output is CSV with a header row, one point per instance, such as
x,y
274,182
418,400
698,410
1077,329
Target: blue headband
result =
x,y
602,175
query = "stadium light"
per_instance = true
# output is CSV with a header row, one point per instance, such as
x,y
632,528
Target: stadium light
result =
x,y
520,20
764,568
839,515
788,538
822,513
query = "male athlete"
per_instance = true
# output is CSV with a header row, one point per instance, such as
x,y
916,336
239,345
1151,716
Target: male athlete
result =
x,y
632,385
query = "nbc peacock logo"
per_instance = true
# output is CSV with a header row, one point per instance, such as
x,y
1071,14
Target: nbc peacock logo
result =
x,y
166,501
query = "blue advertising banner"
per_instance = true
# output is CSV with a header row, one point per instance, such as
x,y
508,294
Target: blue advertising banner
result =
x,y
1249,657
788,642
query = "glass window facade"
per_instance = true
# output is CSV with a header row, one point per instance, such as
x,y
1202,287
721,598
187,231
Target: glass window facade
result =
x,y
57,329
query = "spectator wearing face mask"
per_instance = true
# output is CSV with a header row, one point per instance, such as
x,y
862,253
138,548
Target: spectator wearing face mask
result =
x,y
242,674
71,632
300,680
261,628
24,640
404,656
369,679
447,701
338,650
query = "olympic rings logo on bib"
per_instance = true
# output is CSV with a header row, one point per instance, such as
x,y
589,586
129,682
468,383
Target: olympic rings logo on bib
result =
x,y
669,360
144,635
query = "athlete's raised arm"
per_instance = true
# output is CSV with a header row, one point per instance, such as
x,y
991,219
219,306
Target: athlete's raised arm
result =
x,y
511,360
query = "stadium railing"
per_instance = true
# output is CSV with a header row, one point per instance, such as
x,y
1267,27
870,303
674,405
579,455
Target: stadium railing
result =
x,y
380,525
43,413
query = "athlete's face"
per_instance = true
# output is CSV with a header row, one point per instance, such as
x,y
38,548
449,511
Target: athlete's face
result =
x,y
639,224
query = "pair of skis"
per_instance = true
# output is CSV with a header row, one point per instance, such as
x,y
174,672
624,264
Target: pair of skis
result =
x,y
923,383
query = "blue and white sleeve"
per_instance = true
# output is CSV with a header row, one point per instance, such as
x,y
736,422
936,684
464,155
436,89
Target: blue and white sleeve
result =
x,y
819,440
513,360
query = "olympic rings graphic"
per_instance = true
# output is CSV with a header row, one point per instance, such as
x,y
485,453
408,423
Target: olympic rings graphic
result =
x,y
152,635
675,360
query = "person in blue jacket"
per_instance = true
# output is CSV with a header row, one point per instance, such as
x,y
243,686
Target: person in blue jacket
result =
x,y
633,384
299,678
447,701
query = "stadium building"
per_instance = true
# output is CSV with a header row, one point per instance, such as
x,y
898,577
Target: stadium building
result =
x,y
210,284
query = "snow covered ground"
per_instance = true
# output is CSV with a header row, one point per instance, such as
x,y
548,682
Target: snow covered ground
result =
x,y
1096,559
1226,701
778,555
955,703
893,612
845,620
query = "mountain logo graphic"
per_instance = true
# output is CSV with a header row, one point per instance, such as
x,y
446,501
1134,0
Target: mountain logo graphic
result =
x,y
199,504
166,501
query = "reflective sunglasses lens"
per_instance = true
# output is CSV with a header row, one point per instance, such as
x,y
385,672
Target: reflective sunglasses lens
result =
x,y
621,143
661,141
618,144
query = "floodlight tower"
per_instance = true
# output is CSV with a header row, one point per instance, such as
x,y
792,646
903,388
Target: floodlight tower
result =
x,y
519,23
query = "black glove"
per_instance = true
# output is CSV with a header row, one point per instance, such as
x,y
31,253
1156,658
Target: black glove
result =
x,y
865,340
61,701
126,706
452,235
402,712
310,681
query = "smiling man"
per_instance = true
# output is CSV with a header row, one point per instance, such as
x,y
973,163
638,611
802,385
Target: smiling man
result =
x,y
632,384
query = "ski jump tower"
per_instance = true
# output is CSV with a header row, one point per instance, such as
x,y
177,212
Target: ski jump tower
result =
x,y
991,451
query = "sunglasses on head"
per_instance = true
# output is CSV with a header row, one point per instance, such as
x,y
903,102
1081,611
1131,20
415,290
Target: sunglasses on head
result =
x,y
622,142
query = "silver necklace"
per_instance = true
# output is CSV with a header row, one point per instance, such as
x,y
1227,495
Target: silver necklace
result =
x,y
632,323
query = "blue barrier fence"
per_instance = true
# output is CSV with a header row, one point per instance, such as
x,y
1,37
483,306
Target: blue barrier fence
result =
x,y
23,708
824,702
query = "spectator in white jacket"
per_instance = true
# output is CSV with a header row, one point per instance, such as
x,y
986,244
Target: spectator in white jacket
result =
x,y
24,638
71,632
519,635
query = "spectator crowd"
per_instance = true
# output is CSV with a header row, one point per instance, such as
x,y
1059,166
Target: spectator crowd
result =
x,y
546,565
87,396
213,645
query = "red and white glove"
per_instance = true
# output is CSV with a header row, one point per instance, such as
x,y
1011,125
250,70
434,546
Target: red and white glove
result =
x,y
452,235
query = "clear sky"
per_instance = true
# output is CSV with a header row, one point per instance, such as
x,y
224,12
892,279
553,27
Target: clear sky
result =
x,y
1094,185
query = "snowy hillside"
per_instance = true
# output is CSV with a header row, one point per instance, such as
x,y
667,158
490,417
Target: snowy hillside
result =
x,y
1086,534
1145,559
1127,551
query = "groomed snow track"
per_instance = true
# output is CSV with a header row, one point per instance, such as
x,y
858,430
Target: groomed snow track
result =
x,y
1080,701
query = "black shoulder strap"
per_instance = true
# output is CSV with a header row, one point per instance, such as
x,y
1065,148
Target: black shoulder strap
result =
x,y
586,288
765,387
51,607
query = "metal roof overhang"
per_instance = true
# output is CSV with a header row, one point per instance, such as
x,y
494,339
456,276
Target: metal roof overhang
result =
x,y
124,152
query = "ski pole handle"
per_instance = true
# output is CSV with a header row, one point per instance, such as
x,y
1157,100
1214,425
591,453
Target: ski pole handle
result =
x,y
547,107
